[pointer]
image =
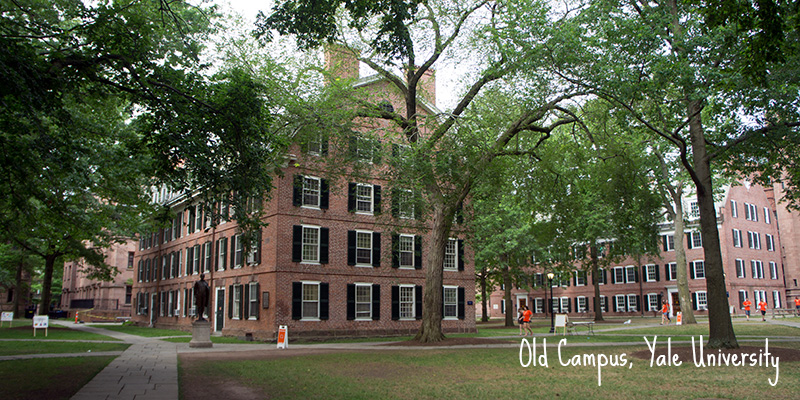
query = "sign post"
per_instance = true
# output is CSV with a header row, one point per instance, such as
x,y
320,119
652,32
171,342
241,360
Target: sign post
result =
x,y
6,316
679,318
561,322
39,322
283,337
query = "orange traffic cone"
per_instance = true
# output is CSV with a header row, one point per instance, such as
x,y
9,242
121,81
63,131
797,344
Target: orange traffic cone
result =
x,y
76,317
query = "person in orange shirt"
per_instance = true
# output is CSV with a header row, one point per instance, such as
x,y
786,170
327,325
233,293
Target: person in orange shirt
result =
x,y
526,320
762,306
797,305
665,313
747,304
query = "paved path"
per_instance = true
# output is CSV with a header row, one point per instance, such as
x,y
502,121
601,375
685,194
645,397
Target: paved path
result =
x,y
146,370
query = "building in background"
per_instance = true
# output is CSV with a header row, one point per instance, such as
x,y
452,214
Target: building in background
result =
x,y
753,236
104,301
340,256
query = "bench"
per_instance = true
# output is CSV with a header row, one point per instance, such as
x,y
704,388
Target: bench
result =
x,y
589,325
123,319
783,312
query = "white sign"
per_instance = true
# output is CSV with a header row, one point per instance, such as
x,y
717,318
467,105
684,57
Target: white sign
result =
x,y
283,337
41,321
7,316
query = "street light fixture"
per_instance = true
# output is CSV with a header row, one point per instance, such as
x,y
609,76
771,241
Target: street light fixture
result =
x,y
550,277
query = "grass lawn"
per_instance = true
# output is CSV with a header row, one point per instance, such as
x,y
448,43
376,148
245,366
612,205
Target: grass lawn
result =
x,y
145,331
11,348
486,374
214,339
48,378
24,330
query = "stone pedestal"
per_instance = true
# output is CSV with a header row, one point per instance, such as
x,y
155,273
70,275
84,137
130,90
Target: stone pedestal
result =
x,y
201,334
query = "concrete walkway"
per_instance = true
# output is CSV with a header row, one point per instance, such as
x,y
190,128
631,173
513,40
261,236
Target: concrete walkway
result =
x,y
148,369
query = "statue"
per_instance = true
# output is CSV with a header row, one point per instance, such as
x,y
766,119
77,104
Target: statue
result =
x,y
201,295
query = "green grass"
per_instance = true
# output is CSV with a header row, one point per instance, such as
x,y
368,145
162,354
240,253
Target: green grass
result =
x,y
145,331
11,348
48,378
25,331
489,374
741,328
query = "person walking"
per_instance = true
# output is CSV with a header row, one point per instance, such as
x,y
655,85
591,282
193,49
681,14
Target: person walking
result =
x,y
762,306
526,320
747,303
665,319
520,310
797,305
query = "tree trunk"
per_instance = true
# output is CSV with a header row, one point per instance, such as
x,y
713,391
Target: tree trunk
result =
x,y
598,311
680,263
431,328
47,283
18,288
508,284
484,298
721,333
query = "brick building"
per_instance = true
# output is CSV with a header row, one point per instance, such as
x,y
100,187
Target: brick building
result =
x,y
752,260
107,300
339,256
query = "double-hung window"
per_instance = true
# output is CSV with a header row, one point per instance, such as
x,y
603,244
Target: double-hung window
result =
x,y
698,269
694,210
310,249
450,298
737,238
407,302
632,303
252,300
363,248
363,301
406,249
650,273
364,198
766,214
311,191
538,305
652,302
405,204
672,271
451,255
237,301
734,212
619,303
630,274
669,242
701,300
754,240
773,270
740,270
757,268
770,242
207,257
619,275
582,304
310,300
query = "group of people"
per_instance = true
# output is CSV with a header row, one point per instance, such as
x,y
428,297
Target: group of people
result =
x,y
762,306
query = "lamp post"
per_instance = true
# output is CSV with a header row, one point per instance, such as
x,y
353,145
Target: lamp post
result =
x,y
550,276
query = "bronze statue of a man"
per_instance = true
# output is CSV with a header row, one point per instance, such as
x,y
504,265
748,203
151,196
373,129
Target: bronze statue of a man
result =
x,y
201,295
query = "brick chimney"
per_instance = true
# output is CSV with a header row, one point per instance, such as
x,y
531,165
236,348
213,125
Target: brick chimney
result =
x,y
341,62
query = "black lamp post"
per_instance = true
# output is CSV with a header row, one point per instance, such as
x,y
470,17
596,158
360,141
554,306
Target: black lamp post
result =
x,y
550,276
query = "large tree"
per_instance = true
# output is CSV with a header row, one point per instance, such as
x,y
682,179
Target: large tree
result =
x,y
450,152
687,69
101,100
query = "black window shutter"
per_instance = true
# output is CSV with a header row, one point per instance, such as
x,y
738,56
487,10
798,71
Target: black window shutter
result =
x,y
550,305
606,306
569,306
689,241
395,250
694,301
644,273
255,312
376,302
215,260
258,246
376,196
324,238
297,243
666,272
638,302
324,150
233,250
324,196
605,276
376,249
741,299
576,304
691,269
594,305
658,278
395,303
297,300
460,213
660,299
614,277
245,305
635,275
190,223
575,278
353,148
351,197
417,252
460,254
297,191
185,301
351,301
230,302
418,302
395,202
664,241
323,300
224,246
190,260
351,247
202,264
242,303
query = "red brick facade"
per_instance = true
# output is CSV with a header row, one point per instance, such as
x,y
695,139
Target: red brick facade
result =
x,y
757,250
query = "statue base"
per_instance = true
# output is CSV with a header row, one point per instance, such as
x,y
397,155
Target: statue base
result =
x,y
201,334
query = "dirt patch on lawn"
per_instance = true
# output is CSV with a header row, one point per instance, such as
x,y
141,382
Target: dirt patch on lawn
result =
x,y
685,353
459,341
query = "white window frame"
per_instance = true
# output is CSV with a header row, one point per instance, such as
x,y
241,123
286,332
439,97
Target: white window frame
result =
x,y
237,301
315,247
538,305
222,254
650,270
737,238
451,255
452,304
694,210
617,299
734,212
741,271
630,274
601,276
697,239
766,215
360,233
406,302
652,302
701,300
776,299
670,242
773,270
603,301
672,271
365,316
252,299
583,304
207,257
304,301
694,265
365,149
238,251
580,280
402,251
316,140
365,200
310,192
563,305
196,260
617,272
632,303
405,204
770,242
